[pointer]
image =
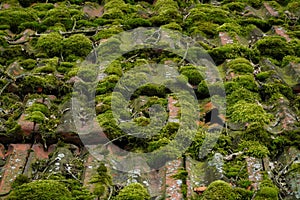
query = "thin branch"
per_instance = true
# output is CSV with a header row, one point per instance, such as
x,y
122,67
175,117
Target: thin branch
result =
x,y
74,25
231,156
69,171
157,39
254,195
110,192
17,42
5,86
284,170
185,54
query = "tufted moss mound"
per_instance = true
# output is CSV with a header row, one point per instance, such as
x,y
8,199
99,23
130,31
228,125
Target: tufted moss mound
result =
x,y
134,191
41,190
218,190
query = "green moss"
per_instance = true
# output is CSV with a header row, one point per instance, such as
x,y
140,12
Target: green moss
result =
x,y
102,181
271,90
20,180
248,112
107,84
290,59
14,17
63,15
192,73
28,64
134,191
51,44
245,81
242,194
254,149
39,107
231,51
182,174
106,33
207,12
242,94
262,24
235,6
263,76
151,90
137,22
36,191
77,45
230,27
267,193
236,169
274,47
117,9
45,69
255,3
240,66
42,6
85,24
205,28
167,11
218,190
154,145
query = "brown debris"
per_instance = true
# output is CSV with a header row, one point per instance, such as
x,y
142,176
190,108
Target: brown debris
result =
x,y
40,152
270,10
225,39
6,6
200,190
173,110
173,186
2,151
254,168
93,10
18,154
281,32
90,170
26,126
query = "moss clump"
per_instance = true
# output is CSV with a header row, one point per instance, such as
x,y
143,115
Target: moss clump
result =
x,y
62,15
77,45
242,94
42,189
51,44
246,81
102,181
106,33
232,51
240,66
267,191
14,17
230,27
218,190
134,191
290,59
28,64
193,74
254,148
117,10
248,112
235,6
167,12
274,47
